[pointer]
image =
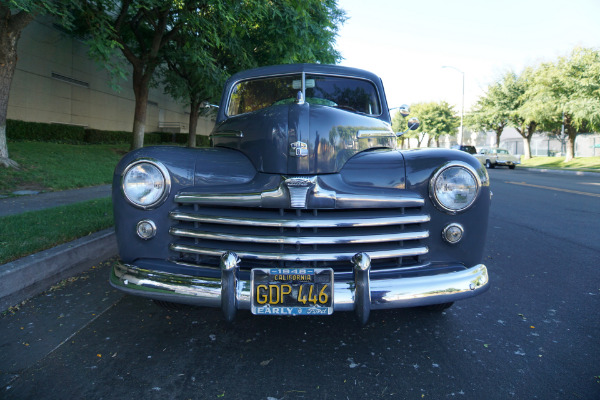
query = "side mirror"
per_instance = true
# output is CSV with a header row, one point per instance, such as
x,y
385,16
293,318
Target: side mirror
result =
x,y
404,110
206,104
413,124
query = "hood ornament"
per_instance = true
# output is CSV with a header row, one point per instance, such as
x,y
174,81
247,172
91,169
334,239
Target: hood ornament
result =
x,y
298,188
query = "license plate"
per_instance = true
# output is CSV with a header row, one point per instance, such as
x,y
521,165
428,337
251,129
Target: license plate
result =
x,y
292,291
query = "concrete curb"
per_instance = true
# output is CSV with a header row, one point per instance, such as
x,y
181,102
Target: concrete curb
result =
x,y
31,275
560,171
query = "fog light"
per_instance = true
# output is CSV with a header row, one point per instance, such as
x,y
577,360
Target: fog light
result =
x,y
146,229
453,233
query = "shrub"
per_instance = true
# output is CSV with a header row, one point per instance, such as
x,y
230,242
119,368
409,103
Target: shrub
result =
x,y
20,131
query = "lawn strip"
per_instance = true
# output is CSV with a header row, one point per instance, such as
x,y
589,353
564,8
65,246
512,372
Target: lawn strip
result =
x,y
31,232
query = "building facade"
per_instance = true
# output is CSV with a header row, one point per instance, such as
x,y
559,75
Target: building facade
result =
x,y
56,82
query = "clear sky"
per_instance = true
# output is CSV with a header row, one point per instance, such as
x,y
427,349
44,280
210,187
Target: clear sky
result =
x,y
406,42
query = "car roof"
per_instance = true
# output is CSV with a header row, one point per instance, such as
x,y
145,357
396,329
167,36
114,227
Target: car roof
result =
x,y
307,68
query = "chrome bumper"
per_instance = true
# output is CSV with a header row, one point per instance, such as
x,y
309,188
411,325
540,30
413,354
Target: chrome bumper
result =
x,y
361,294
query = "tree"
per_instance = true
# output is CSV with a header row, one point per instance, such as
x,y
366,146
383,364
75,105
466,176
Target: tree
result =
x,y
493,110
197,61
525,122
263,32
140,29
436,119
296,31
15,15
567,93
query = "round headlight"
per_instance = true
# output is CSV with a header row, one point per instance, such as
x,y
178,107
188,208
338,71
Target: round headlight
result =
x,y
146,183
455,187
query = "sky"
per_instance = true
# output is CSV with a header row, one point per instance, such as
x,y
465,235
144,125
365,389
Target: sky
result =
x,y
407,42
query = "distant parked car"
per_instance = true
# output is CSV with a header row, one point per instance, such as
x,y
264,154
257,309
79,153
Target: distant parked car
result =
x,y
468,149
492,157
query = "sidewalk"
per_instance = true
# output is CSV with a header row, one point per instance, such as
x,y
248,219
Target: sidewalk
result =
x,y
36,202
28,276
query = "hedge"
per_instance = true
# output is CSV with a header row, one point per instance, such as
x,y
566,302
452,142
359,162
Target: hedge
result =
x,y
19,131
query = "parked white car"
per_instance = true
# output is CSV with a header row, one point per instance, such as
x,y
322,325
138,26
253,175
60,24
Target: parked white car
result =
x,y
492,157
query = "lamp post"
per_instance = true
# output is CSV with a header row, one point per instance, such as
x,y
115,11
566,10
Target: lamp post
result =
x,y
462,111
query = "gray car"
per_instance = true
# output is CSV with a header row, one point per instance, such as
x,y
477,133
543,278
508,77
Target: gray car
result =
x,y
303,205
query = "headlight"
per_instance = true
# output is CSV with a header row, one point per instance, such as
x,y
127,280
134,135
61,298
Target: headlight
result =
x,y
454,187
146,183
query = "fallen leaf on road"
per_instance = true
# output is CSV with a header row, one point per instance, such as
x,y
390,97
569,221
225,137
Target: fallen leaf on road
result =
x,y
265,363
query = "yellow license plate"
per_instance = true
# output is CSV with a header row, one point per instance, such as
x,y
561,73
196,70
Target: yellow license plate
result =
x,y
292,291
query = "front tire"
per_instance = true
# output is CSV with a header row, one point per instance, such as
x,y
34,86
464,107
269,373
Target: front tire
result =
x,y
512,166
488,164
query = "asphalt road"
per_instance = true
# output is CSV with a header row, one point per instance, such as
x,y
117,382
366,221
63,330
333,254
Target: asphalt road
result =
x,y
534,334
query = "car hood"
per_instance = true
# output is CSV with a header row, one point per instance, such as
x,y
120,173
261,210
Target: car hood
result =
x,y
298,139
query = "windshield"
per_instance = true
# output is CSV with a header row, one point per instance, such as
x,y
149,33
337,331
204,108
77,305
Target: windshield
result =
x,y
351,94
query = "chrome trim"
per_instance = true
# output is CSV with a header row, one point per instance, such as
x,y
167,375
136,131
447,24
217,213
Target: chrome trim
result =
x,y
343,200
301,240
439,171
337,256
166,176
453,225
298,188
236,134
229,266
302,223
337,274
362,283
385,293
368,134
152,224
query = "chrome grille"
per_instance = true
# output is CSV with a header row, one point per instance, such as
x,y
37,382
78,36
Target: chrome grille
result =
x,y
294,237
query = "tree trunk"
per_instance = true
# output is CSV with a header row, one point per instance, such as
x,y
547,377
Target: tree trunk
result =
x,y
531,128
498,131
572,135
141,88
527,147
194,111
10,31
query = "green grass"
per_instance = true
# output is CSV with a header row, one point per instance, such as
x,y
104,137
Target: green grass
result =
x,y
582,163
53,166
31,232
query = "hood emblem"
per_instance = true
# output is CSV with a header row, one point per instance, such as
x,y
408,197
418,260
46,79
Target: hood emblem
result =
x,y
298,149
298,188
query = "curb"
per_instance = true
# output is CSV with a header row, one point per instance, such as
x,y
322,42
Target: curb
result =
x,y
26,277
560,171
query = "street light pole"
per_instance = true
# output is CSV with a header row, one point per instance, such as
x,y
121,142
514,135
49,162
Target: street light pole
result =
x,y
462,111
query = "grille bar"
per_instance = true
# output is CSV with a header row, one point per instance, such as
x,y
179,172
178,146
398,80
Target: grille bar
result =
x,y
301,240
301,257
304,222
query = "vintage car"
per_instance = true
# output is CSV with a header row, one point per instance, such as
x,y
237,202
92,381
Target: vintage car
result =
x,y
302,206
493,157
